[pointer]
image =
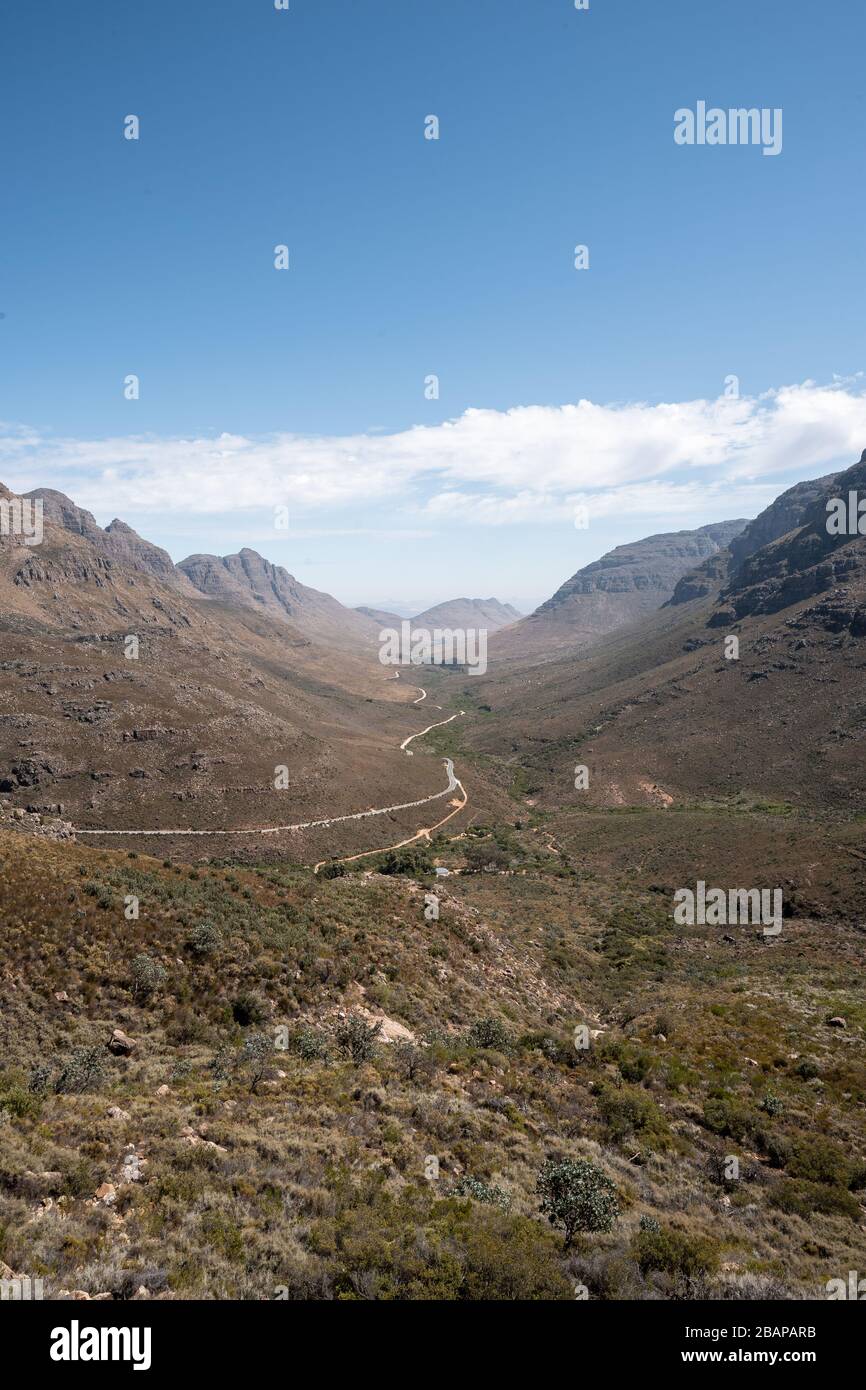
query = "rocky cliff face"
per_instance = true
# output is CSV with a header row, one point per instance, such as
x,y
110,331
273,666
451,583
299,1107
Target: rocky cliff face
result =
x,y
615,591
803,562
117,543
782,516
652,565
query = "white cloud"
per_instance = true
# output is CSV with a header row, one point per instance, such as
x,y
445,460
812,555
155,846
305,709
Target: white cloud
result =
x,y
528,464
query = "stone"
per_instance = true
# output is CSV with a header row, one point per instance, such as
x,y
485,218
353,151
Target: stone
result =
x,y
120,1044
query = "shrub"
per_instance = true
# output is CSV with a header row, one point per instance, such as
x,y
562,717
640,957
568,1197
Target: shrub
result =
x,y
148,976
627,1112
204,939
415,1064
333,871
310,1044
40,1079
479,1191
816,1159
804,1198
576,1196
725,1115
674,1253
484,855
406,861
83,1070
15,1101
256,1056
488,1032
357,1041
772,1104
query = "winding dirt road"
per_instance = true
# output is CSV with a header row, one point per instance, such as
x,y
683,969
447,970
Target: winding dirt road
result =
x,y
453,784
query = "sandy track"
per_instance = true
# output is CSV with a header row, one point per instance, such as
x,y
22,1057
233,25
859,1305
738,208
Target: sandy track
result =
x,y
453,783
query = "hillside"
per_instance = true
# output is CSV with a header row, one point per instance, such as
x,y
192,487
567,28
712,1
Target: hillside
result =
x,y
245,1136
272,1082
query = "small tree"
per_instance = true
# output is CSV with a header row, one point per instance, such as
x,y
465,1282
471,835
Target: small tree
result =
x,y
576,1196
256,1055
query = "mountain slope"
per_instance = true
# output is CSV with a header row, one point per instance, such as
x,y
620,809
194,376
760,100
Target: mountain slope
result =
x,y
619,589
659,715
247,579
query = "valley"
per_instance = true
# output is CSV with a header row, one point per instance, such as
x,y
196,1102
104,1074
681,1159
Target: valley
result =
x,y
466,984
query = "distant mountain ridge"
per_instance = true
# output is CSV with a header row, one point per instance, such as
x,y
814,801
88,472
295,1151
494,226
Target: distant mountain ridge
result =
x,y
478,613
483,614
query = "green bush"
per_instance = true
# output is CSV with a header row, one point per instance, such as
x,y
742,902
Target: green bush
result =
x,y
310,1044
728,1116
488,1193
82,1071
628,1112
204,939
800,1198
674,1253
488,1032
816,1159
336,870
414,862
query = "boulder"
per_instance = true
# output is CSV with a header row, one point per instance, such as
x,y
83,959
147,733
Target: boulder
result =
x,y
120,1044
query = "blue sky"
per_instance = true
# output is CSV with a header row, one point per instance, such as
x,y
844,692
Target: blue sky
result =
x,y
410,257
